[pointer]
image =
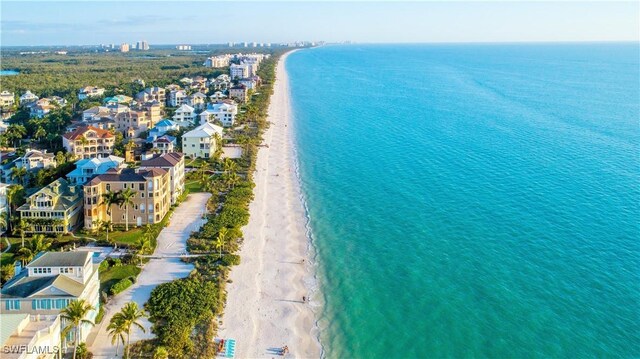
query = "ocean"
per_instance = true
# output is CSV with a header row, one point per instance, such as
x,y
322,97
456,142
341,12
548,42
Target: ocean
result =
x,y
472,200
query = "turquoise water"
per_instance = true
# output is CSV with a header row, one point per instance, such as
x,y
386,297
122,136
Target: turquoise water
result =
x,y
473,200
9,72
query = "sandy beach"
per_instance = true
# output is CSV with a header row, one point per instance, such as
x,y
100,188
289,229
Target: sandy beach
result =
x,y
265,308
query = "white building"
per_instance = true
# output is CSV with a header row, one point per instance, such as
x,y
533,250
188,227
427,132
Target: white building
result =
x,y
34,159
225,112
185,113
239,71
197,100
28,98
201,141
90,91
217,61
37,336
7,99
177,98
50,282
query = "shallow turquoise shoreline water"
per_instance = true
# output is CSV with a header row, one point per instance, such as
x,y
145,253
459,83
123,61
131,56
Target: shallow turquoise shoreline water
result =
x,y
473,200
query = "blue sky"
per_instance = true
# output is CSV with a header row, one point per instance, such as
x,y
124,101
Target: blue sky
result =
x,y
165,22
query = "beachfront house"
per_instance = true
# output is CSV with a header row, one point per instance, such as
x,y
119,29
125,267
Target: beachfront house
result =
x,y
56,208
50,282
201,142
177,98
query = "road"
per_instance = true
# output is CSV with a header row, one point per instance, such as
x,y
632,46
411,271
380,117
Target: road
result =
x,y
165,266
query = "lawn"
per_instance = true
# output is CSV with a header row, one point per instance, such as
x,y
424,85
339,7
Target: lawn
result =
x,y
114,274
194,186
7,258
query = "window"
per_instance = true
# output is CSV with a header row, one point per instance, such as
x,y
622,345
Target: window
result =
x,y
141,187
108,187
12,305
124,185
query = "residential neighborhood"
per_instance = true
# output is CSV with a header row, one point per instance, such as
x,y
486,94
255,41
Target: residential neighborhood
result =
x,y
94,186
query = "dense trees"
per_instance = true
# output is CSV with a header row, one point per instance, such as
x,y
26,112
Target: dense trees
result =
x,y
177,308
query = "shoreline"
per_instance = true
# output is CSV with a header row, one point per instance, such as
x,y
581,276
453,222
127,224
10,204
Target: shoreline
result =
x,y
265,309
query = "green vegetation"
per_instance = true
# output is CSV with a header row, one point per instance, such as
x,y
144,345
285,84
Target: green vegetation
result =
x,y
183,312
115,274
121,285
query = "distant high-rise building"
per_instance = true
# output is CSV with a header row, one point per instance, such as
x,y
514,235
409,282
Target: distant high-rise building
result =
x,y
138,45
255,44
124,47
231,44
145,45
184,47
246,44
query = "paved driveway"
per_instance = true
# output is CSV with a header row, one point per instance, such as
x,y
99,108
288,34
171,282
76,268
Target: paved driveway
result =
x,y
171,243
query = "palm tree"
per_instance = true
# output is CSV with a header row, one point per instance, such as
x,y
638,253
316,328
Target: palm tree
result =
x,y
116,329
74,315
3,221
16,132
19,174
229,165
144,244
106,226
109,199
20,226
40,133
15,195
222,234
231,179
36,245
125,199
130,315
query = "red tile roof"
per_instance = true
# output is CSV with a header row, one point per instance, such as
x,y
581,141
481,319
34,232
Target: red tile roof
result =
x,y
80,131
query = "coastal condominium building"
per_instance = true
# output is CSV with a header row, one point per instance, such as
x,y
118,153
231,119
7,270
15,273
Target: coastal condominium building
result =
x,y
239,71
50,282
150,204
173,163
56,208
201,141
89,142
217,61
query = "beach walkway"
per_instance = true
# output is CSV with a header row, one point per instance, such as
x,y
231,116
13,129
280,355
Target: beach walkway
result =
x,y
165,266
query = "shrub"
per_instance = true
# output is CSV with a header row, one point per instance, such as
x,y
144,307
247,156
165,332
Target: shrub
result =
x,y
103,266
230,260
121,285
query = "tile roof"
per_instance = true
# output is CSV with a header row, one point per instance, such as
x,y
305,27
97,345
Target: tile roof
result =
x,y
167,160
126,175
80,131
